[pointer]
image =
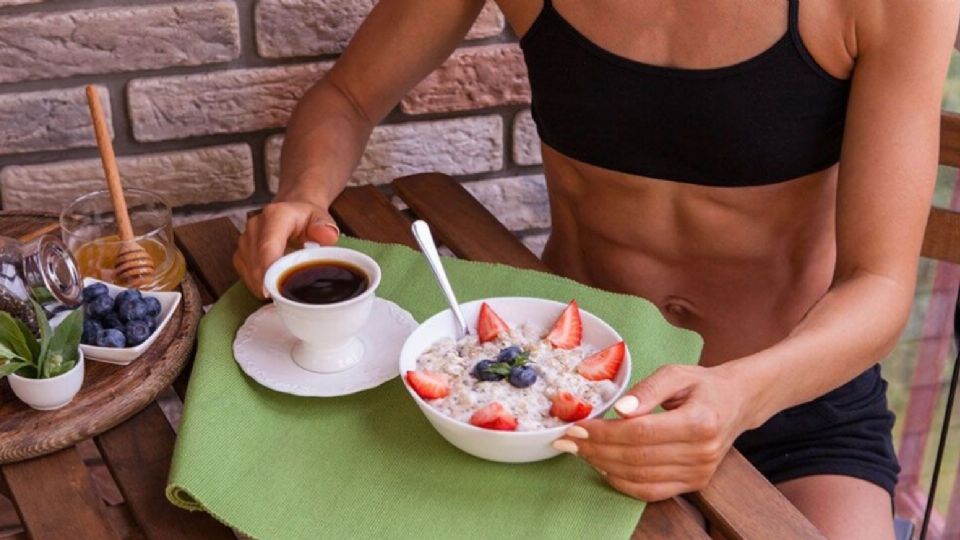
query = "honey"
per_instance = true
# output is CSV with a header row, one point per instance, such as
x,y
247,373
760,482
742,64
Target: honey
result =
x,y
98,258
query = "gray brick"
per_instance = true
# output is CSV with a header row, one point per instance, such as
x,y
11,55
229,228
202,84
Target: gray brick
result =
x,y
47,120
526,142
107,40
230,101
455,146
519,202
310,27
203,175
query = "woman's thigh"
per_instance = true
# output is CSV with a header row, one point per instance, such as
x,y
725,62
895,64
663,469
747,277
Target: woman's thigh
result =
x,y
842,507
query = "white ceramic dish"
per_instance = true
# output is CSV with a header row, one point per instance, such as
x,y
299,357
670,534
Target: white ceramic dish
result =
x,y
168,304
263,344
505,446
49,394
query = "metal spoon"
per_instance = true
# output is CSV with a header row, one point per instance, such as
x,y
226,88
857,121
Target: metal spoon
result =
x,y
421,232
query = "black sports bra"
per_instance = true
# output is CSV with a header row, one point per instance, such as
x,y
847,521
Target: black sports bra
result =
x,y
772,118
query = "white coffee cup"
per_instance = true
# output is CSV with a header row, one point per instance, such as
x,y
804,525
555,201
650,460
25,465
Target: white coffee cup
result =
x,y
327,333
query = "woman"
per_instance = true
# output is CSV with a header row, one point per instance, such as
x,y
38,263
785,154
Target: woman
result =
x,y
761,170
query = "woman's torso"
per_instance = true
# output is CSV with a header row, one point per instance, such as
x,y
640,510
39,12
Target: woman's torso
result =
x,y
739,265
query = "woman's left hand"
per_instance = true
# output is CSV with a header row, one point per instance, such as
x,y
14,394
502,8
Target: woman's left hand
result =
x,y
656,456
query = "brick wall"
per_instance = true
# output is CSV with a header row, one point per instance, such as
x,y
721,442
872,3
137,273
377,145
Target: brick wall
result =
x,y
198,93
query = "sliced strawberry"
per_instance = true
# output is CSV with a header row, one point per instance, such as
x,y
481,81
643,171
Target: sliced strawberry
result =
x,y
603,364
428,385
494,416
489,324
569,407
568,330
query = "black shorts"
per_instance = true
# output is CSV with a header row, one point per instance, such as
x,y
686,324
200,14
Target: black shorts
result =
x,y
845,432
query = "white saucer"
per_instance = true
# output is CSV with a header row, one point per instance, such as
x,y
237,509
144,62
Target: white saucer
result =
x,y
262,349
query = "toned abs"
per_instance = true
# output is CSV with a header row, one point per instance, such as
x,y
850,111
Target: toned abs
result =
x,y
741,266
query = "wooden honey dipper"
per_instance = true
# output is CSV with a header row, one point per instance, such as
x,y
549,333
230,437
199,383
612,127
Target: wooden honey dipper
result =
x,y
134,266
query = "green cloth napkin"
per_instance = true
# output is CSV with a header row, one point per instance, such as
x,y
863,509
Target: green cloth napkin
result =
x,y
369,465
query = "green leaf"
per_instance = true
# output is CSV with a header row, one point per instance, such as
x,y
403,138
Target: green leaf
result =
x,y
12,367
32,342
29,371
64,343
13,338
45,332
521,358
64,367
500,368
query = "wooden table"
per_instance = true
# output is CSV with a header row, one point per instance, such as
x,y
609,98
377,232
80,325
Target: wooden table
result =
x,y
55,496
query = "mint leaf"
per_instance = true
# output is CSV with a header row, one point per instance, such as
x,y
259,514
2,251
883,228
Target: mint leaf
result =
x,y
13,338
45,332
521,358
63,344
29,371
500,368
28,336
12,366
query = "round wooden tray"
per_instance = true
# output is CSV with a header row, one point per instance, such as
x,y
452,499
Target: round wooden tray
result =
x,y
110,393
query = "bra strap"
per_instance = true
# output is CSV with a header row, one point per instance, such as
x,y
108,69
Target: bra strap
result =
x,y
793,17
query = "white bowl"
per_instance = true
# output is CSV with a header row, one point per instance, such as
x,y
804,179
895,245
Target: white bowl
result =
x,y
505,446
52,393
124,356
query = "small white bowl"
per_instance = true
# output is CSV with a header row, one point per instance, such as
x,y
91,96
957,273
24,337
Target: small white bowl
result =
x,y
52,393
124,356
505,446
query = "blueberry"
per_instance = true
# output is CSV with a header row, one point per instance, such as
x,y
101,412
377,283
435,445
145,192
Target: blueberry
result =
x,y
111,320
153,306
111,337
153,323
126,296
91,328
137,332
482,371
133,310
523,376
509,354
92,291
99,307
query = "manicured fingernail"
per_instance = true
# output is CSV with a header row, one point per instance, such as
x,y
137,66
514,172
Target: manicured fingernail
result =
x,y
564,445
577,432
626,405
333,226
266,293
601,472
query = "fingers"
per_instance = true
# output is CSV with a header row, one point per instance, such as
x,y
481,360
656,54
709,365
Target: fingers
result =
x,y
322,229
668,383
266,236
636,456
649,492
665,427
245,257
689,476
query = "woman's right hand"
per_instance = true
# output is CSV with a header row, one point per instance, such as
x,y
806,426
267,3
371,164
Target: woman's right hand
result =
x,y
267,234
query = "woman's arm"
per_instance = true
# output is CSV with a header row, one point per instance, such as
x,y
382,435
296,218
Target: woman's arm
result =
x,y
398,44
888,168
887,173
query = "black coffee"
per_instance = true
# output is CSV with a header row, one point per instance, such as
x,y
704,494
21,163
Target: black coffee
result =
x,y
323,282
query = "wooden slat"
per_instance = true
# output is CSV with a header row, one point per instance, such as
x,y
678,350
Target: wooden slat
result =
x,y
138,454
941,239
950,139
55,498
742,504
668,519
365,212
208,247
461,223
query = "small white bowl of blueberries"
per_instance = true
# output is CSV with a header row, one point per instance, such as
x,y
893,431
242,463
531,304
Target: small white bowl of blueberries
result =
x,y
120,324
